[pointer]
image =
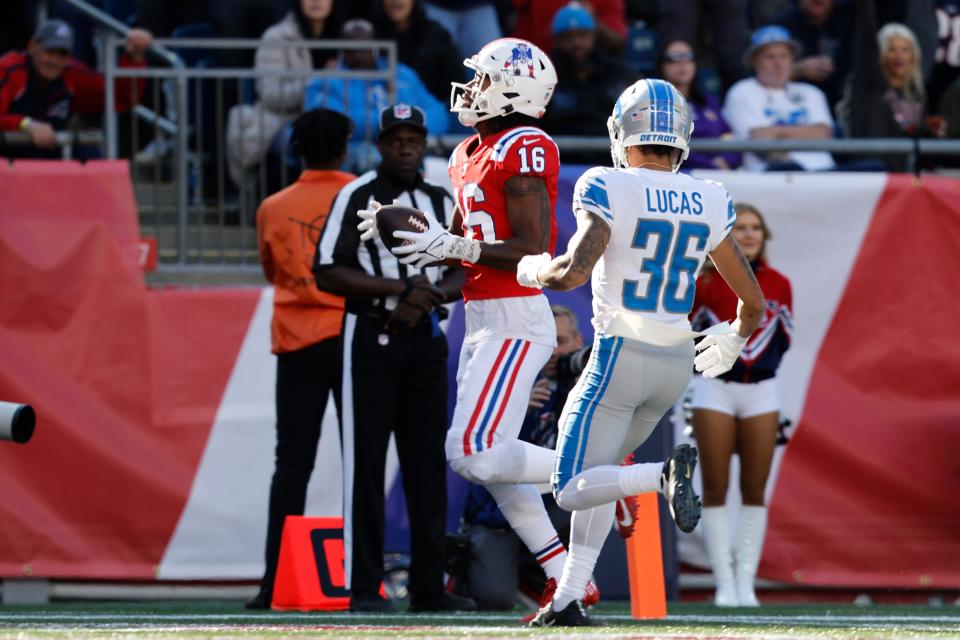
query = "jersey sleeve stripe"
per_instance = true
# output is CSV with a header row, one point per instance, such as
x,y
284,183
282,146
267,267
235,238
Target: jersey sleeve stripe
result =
x,y
598,194
503,146
505,140
499,149
592,207
591,196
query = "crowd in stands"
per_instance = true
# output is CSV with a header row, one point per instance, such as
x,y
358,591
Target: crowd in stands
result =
x,y
767,69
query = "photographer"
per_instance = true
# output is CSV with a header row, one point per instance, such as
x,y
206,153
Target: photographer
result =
x,y
499,563
394,369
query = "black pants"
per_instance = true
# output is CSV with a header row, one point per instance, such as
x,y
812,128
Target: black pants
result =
x,y
397,384
305,379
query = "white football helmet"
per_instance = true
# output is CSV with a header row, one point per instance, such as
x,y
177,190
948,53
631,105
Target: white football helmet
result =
x,y
511,76
650,111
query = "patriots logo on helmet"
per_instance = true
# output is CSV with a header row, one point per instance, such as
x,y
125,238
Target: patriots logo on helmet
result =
x,y
520,56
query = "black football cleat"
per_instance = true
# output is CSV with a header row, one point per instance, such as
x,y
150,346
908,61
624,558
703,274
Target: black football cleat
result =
x,y
260,601
370,604
572,615
677,482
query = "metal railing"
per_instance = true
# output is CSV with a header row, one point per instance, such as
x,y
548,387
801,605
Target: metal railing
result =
x,y
104,19
203,220
200,211
912,148
66,141
174,192
156,49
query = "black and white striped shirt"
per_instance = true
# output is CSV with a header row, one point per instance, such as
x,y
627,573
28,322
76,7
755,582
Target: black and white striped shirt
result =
x,y
340,241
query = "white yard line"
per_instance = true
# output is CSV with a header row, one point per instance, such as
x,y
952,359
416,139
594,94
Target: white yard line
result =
x,y
403,619
423,633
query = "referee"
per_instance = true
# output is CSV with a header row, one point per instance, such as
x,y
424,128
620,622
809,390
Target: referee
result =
x,y
394,370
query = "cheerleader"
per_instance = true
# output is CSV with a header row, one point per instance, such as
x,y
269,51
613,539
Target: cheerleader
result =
x,y
739,412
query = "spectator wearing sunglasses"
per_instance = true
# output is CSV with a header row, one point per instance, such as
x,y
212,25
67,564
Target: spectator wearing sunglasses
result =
x,y
677,64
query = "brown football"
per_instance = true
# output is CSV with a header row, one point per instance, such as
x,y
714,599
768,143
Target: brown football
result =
x,y
397,217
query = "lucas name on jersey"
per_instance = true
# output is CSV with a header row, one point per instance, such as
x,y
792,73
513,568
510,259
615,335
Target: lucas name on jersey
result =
x,y
670,201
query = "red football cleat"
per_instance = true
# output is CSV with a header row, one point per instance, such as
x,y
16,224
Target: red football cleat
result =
x,y
625,516
626,512
591,596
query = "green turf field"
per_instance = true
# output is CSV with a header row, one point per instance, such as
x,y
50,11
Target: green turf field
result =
x,y
181,620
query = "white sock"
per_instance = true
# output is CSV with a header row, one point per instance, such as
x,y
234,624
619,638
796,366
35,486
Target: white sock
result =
x,y
591,488
523,508
551,556
643,477
536,464
588,530
607,483
507,462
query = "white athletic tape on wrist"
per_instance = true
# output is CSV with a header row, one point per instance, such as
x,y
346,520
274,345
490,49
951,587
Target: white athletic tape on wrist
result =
x,y
463,249
528,270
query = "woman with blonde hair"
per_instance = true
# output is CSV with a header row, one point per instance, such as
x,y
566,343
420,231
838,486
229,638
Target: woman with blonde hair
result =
x,y
885,96
739,413
900,58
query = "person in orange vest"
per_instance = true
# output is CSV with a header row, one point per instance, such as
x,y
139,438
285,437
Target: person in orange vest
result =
x,y
305,329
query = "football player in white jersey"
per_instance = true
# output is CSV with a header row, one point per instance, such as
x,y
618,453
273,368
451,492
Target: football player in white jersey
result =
x,y
643,232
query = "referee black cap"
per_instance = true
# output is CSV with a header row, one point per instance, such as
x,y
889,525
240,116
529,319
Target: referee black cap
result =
x,y
402,113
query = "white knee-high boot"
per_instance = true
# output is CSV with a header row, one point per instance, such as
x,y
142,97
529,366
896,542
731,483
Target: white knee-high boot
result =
x,y
716,534
753,526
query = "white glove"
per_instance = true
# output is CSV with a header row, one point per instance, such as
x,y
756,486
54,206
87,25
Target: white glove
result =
x,y
368,221
718,354
433,245
528,269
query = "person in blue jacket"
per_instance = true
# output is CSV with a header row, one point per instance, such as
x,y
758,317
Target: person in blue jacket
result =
x,y
363,99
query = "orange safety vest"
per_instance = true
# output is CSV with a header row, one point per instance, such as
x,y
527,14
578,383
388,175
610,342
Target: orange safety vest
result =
x,y
289,224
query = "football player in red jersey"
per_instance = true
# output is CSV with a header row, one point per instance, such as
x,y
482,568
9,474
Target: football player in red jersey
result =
x,y
505,189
